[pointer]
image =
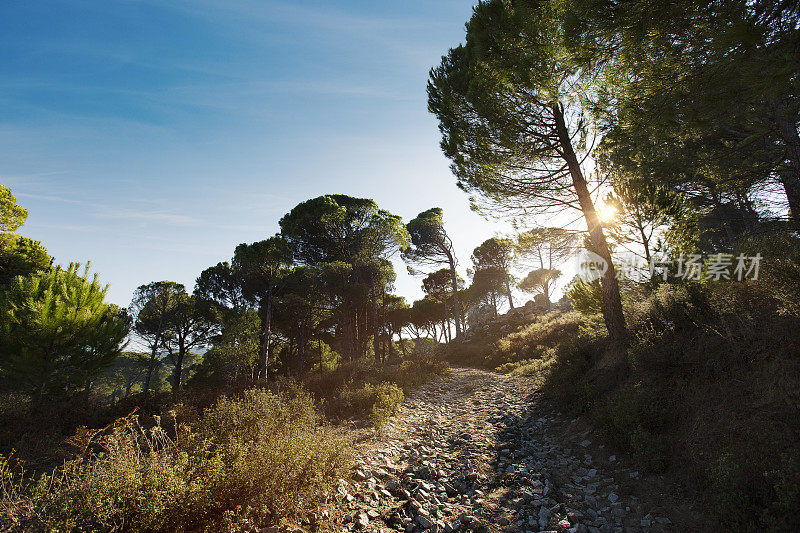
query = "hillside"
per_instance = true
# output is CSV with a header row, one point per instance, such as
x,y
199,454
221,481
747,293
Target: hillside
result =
x,y
709,396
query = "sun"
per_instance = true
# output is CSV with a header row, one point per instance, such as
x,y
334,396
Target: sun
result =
x,y
606,212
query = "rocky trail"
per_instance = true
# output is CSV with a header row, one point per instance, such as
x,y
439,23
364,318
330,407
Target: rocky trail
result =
x,y
477,451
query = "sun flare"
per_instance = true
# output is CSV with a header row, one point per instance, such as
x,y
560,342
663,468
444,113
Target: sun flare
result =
x,y
606,212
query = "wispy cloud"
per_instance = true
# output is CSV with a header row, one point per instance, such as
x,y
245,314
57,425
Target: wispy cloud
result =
x,y
49,198
294,13
174,219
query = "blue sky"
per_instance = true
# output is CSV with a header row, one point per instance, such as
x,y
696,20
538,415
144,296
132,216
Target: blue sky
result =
x,y
151,137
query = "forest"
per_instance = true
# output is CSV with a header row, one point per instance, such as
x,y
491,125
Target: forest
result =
x,y
653,144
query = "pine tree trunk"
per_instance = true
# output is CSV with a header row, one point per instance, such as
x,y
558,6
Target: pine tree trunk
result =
x,y
266,328
645,242
301,354
448,335
151,365
790,176
456,306
347,336
375,328
177,377
402,344
508,292
612,302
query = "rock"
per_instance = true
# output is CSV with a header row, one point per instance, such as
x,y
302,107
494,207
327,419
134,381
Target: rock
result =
x,y
423,521
362,520
544,513
468,442
467,520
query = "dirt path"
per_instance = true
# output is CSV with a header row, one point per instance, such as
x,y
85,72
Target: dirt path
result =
x,y
476,451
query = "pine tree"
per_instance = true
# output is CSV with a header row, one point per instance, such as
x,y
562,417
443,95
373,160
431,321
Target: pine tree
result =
x,y
56,331
431,245
514,112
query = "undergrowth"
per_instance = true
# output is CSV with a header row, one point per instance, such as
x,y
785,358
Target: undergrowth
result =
x,y
362,389
260,456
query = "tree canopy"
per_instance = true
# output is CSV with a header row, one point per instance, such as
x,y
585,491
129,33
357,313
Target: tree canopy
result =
x,y
12,215
498,254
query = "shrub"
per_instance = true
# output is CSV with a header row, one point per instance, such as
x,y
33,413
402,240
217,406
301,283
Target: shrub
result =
x,y
534,339
472,353
261,457
753,485
566,379
730,503
388,399
649,450
380,402
415,371
717,394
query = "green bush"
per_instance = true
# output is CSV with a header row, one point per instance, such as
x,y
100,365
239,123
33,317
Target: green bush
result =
x,y
753,485
649,450
533,340
717,393
415,371
380,402
634,420
566,378
731,505
586,296
472,353
783,478
352,389
388,399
